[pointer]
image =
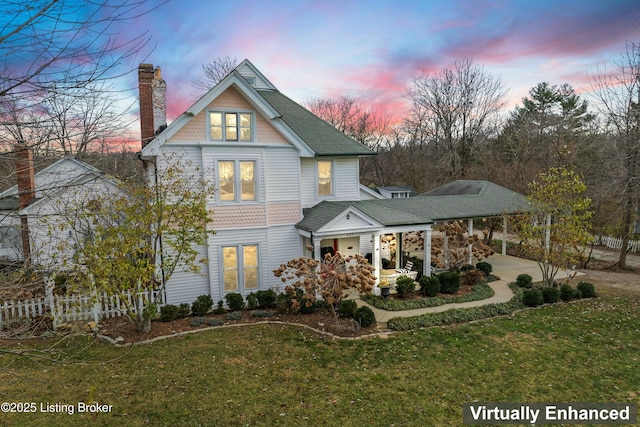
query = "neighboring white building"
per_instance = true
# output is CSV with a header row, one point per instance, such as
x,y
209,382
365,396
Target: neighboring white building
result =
x,y
56,194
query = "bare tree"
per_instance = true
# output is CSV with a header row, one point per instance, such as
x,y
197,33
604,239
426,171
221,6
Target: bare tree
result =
x,y
454,111
617,93
52,49
214,71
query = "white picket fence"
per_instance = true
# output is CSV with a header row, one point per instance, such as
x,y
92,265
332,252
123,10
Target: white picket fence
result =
x,y
616,243
67,308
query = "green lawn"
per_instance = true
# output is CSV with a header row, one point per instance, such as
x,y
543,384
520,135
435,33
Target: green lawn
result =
x,y
277,375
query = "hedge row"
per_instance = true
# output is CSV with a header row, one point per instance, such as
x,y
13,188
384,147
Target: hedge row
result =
x,y
461,315
480,291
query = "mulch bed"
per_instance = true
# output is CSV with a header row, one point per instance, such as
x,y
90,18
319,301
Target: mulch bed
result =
x,y
322,321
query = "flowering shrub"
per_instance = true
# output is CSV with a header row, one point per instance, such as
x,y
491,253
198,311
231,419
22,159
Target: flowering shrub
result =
x,y
327,279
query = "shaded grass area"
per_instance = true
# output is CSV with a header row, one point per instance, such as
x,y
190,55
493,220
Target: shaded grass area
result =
x,y
480,291
279,375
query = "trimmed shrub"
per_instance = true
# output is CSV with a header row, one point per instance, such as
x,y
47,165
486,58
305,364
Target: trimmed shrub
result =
x,y
266,298
234,300
215,322
550,295
184,310
467,267
449,282
577,294
566,292
252,301
220,308
472,277
587,289
201,305
169,312
260,313
234,315
346,308
524,280
485,267
364,316
404,286
429,286
532,297
198,321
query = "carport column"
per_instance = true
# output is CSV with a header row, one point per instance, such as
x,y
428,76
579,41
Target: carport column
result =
x,y
547,237
470,247
504,235
376,257
426,265
399,249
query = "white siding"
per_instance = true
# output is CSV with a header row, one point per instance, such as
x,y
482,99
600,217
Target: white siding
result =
x,y
282,175
186,286
308,182
284,244
347,185
366,245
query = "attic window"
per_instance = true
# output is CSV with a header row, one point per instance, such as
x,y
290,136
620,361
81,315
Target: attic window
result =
x,y
251,80
227,126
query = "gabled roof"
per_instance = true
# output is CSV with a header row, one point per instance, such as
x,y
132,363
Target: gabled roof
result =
x,y
311,135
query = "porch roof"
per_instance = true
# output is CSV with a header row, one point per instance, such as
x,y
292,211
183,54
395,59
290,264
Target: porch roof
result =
x,y
457,200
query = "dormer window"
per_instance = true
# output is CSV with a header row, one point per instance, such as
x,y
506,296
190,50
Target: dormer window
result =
x,y
228,126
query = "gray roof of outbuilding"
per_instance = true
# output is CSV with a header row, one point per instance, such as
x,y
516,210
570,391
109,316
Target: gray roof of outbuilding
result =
x,y
486,200
320,136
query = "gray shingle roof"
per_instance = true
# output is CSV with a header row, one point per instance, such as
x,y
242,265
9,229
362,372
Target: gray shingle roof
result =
x,y
320,136
478,199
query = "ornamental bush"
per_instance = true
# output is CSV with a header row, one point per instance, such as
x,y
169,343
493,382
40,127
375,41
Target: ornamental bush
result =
x,y
473,277
252,301
587,289
184,310
566,292
169,312
346,308
485,267
201,305
266,298
532,297
449,282
524,280
550,295
364,316
404,286
429,286
234,300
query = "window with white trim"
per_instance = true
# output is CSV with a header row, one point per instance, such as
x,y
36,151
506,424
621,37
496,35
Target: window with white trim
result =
x,y
228,126
325,178
237,180
240,268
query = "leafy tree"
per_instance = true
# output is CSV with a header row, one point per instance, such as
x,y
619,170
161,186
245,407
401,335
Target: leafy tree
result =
x,y
327,279
555,232
133,240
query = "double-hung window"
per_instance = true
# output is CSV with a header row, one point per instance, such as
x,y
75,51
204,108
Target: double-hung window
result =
x,y
237,180
240,268
325,178
227,126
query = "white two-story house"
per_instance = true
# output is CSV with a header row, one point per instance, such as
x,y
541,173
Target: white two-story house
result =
x,y
287,185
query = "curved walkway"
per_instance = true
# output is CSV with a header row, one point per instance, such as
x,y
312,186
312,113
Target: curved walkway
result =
x,y
504,266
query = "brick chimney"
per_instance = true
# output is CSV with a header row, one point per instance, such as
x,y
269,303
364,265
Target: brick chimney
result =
x,y
26,191
153,109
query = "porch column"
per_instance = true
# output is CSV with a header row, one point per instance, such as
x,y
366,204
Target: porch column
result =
x,y
376,257
504,235
399,249
426,264
470,247
316,248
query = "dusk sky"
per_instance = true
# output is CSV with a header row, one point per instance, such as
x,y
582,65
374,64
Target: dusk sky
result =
x,y
370,50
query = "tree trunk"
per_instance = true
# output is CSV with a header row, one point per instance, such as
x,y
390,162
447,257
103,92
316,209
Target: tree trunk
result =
x,y
626,226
